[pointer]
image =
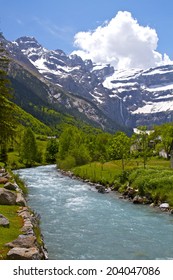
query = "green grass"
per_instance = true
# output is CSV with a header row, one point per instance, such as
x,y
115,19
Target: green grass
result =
x,y
156,180
11,233
158,183
110,171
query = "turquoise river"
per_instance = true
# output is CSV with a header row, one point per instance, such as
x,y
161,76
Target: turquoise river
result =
x,y
79,223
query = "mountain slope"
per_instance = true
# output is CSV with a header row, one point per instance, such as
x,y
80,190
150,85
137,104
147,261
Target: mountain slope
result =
x,y
94,93
130,98
34,92
39,98
80,78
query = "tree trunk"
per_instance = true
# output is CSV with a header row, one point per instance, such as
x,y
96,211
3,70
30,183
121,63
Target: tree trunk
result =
x,y
171,158
171,155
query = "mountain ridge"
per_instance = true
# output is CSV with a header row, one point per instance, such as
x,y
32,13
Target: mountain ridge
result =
x,y
113,99
33,92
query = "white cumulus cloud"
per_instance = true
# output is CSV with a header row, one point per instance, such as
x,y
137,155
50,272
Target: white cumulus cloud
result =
x,y
122,42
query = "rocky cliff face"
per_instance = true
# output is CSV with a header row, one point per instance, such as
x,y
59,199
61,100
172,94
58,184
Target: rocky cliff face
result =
x,y
130,97
147,94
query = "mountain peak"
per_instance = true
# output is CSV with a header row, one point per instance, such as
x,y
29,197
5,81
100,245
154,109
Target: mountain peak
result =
x,y
60,52
26,42
131,97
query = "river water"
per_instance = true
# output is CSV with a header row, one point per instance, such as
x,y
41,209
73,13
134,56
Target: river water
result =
x,y
79,223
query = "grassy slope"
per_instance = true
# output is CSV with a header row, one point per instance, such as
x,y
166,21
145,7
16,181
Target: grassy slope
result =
x,y
11,233
26,119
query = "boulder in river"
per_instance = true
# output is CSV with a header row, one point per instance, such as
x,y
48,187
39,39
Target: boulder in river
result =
x,y
164,206
101,189
137,199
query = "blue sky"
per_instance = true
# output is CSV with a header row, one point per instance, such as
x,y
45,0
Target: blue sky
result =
x,y
56,22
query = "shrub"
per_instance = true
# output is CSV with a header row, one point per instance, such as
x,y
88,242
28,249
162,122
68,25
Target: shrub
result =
x,y
116,185
124,177
158,183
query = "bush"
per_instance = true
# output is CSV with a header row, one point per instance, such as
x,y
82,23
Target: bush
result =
x,y
116,185
124,177
161,183
140,172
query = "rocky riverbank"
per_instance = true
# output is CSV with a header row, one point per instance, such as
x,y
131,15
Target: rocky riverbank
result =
x,y
29,245
128,193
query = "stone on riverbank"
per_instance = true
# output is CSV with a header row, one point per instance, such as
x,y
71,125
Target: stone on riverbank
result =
x,y
20,200
2,170
23,241
138,200
18,253
10,186
3,180
7,197
4,222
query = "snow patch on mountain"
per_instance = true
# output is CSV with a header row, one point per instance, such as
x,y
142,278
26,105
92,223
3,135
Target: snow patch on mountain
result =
x,y
156,107
159,88
121,95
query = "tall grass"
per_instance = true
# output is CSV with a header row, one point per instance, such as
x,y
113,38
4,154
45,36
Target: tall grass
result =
x,y
156,180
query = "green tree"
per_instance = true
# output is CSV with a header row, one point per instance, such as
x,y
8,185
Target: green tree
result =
x,y
100,147
52,150
29,151
7,111
165,132
120,147
73,143
81,154
141,139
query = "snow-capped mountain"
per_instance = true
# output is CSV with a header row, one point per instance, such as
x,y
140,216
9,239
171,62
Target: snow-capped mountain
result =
x,y
80,78
129,97
147,94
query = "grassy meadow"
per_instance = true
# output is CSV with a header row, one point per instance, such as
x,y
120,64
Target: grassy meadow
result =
x,y
155,180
